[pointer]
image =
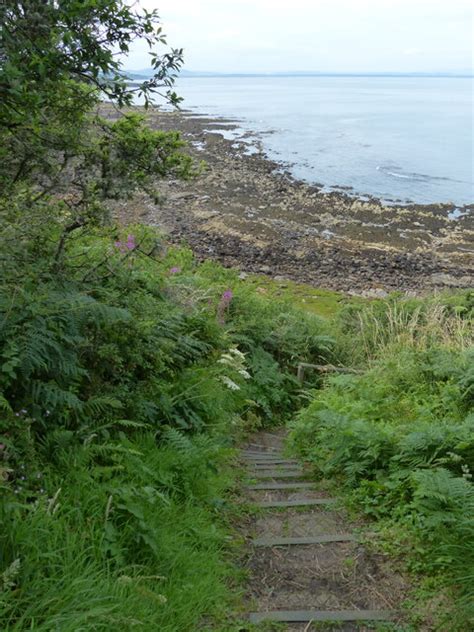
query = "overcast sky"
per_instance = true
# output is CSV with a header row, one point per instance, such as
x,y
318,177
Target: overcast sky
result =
x,y
317,35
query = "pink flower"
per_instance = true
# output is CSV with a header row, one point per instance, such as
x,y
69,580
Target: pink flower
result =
x,y
175,270
223,306
128,245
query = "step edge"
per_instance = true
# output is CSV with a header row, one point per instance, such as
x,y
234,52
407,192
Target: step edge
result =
x,y
323,539
296,503
301,616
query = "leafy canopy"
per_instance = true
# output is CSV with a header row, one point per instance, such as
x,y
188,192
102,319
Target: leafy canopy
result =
x,y
58,60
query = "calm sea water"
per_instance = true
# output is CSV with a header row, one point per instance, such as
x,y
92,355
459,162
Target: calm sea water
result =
x,y
398,138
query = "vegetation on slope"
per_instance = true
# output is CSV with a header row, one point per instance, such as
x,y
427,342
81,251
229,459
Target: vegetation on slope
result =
x,y
123,385
124,372
400,437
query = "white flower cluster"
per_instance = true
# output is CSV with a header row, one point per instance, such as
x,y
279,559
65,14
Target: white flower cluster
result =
x,y
235,360
229,383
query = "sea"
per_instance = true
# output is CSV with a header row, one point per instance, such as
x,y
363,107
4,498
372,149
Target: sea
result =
x,y
400,139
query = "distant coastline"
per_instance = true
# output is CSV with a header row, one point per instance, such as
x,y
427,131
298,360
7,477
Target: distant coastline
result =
x,y
145,74
247,211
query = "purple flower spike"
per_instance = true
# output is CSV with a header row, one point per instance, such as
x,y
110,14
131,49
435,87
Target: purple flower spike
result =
x,y
130,245
223,306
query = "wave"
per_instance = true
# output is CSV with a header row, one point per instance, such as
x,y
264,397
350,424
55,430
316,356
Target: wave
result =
x,y
416,177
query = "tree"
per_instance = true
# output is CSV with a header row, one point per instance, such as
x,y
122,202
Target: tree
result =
x,y
58,60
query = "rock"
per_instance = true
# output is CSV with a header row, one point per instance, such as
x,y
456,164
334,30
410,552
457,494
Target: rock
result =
x,y
265,269
374,292
243,276
441,278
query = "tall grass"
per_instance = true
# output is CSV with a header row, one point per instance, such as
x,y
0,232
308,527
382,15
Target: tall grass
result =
x,y
124,380
400,323
400,437
134,541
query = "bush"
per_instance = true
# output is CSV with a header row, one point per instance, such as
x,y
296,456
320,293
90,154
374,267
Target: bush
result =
x,y
123,380
400,437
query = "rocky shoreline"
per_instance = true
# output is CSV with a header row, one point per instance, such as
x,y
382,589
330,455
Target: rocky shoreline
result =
x,y
247,211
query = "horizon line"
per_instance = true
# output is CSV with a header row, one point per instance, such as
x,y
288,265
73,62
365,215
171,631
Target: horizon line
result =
x,y
288,73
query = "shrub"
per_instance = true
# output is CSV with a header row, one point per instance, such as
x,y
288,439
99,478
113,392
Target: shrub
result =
x,y
400,437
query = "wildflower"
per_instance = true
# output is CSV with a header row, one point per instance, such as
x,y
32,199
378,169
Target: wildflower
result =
x,y
226,359
229,383
237,353
223,305
175,270
245,374
130,245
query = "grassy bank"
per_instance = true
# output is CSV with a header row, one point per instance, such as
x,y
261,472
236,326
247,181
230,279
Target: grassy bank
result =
x,y
128,376
399,438
125,378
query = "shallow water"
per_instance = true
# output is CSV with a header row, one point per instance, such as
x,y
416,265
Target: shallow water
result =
x,y
397,138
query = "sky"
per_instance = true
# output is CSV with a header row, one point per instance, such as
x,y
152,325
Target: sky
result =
x,y
317,35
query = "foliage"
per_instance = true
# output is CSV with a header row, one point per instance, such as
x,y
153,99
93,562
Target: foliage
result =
x,y
104,365
120,537
58,60
400,437
125,371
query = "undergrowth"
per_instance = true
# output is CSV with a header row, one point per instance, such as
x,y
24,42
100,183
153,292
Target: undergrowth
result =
x,y
399,438
125,377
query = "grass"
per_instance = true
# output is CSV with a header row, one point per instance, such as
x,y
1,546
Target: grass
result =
x,y
324,303
122,387
397,440
123,383
120,552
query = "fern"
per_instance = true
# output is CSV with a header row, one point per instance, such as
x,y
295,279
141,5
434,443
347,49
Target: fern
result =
x,y
177,440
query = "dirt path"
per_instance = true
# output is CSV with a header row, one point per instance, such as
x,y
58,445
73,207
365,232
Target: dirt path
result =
x,y
308,564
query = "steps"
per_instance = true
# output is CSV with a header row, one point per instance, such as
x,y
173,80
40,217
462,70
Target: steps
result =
x,y
304,616
295,567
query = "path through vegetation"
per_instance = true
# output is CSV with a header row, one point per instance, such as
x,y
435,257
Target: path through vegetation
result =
x,y
307,563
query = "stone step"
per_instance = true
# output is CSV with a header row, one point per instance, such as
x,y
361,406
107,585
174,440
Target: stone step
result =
x,y
261,465
277,474
306,616
296,503
262,455
272,461
259,446
317,539
278,470
270,486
